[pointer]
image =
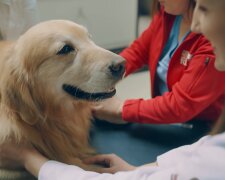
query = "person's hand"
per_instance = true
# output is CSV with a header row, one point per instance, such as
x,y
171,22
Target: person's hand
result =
x,y
109,110
111,163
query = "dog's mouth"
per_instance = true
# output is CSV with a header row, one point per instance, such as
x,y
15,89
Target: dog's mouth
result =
x,y
80,94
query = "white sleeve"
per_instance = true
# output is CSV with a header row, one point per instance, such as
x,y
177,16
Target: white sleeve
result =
x,y
207,162
202,160
183,153
59,171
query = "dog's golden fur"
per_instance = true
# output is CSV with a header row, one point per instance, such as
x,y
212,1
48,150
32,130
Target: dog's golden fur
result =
x,y
33,106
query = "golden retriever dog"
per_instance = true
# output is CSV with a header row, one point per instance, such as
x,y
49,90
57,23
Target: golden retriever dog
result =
x,y
48,79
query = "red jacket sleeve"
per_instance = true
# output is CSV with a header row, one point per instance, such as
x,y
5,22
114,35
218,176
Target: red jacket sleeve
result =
x,y
200,85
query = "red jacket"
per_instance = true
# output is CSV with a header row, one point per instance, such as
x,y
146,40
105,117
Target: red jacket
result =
x,y
196,88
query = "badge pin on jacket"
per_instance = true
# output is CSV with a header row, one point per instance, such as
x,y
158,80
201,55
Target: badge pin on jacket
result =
x,y
185,57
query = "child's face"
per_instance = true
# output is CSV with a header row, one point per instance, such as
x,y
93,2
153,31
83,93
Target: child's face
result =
x,y
209,19
175,7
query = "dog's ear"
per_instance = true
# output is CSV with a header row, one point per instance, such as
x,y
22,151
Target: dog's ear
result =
x,y
19,99
16,85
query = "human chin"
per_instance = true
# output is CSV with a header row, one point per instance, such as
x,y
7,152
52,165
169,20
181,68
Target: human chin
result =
x,y
220,63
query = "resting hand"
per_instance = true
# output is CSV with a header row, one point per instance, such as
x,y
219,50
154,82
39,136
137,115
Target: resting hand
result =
x,y
109,110
111,163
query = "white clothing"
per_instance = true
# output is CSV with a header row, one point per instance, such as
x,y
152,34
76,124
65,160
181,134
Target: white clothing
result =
x,y
16,16
203,160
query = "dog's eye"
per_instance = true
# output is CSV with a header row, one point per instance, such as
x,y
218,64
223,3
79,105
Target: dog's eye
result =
x,y
65,50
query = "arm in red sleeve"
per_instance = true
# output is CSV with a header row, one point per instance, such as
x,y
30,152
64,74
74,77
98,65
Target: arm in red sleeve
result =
x,y
200,86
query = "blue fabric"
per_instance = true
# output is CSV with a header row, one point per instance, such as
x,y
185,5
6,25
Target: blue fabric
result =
x,y
168,51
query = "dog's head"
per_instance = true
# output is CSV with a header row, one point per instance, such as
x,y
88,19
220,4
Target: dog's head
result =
x,y
61,57
57,59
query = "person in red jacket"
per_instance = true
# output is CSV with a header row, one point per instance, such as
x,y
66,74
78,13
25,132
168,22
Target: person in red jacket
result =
x,y
184,82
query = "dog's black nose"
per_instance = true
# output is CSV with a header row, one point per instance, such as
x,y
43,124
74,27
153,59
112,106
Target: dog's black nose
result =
x,y
117,68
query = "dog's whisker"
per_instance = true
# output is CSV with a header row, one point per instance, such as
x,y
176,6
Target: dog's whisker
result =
x,y
93,90
77,90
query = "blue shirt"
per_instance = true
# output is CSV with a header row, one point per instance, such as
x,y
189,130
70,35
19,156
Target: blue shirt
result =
x,y
168,51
